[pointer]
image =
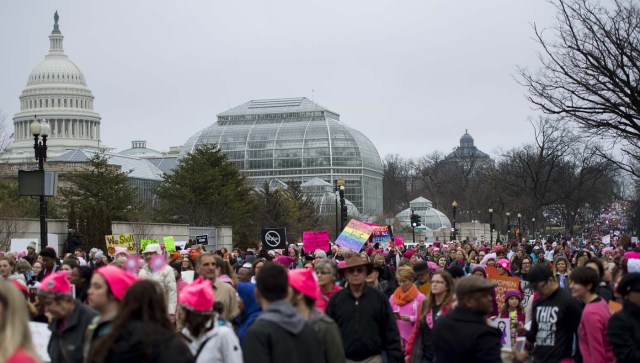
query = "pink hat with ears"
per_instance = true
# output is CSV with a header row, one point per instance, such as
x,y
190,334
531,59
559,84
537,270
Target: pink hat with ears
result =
x,y
504,263
118,279
305,281
197,296
120,250
342,263
57,283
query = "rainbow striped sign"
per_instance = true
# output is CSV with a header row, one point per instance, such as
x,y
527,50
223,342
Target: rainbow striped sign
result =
x,y
354,235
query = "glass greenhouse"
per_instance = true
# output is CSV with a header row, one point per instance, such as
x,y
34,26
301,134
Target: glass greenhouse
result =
x,y
430,217
296,140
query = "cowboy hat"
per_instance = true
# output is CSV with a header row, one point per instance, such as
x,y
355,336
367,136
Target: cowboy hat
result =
x,y
356,261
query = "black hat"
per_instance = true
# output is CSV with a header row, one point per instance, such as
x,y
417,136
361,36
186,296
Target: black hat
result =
x,y
630,282
421,267
456,271
539,273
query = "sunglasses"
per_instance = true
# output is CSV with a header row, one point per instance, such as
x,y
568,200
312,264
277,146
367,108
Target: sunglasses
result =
x,y
358,269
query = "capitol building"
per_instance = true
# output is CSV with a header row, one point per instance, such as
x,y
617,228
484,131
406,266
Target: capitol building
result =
x,y
281,142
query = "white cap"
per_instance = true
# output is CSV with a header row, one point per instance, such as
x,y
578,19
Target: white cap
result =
x,y
152,248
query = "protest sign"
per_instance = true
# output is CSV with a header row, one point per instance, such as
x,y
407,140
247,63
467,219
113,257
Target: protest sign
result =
x,y
382,235
503,283
606,240
40,335
504,326
120,240
274,238
354,235
187,276
397,242
315,240
145,242
169,244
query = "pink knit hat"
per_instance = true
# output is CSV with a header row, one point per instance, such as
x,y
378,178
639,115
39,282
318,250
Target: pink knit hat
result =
x,y
57,284
197,296
504,263
408,255
120,250
117,279
305,281
510,293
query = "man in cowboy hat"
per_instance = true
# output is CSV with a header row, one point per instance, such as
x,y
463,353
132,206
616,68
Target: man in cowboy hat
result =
x,y
364,316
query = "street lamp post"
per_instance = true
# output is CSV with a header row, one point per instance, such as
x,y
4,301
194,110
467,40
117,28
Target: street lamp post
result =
x,y
519,236
343,205
490,224
453,229
40,132
533,221
508,224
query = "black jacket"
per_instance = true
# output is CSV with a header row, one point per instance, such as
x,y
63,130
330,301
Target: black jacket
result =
x,y
623,331
151,344
280,334
463,336
367,324
66,345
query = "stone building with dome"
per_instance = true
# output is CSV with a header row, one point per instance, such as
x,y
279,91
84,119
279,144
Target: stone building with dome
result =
x,y
431,218
296,140
467,149
56,91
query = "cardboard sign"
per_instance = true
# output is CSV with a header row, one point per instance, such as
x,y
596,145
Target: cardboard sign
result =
x,y
354,235
169,244
120,240
274,238
187,276
315,240
503,283
40,335
145,242
504,325
382,235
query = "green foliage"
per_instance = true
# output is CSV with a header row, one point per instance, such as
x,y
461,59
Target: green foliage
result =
x,y
14,206
206,189
95,197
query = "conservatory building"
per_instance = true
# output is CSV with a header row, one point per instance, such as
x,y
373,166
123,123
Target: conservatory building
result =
x,y
296,140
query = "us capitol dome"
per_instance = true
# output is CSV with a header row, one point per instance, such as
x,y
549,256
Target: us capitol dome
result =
x,y
295,140
56,91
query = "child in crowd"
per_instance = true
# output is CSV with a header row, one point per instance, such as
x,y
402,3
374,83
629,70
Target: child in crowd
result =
x,y
514,312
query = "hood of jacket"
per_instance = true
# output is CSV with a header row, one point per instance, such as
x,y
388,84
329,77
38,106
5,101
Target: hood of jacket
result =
x,y
285,315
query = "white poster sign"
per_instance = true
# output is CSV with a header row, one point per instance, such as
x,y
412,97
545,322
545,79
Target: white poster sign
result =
x,y
505,331
40,334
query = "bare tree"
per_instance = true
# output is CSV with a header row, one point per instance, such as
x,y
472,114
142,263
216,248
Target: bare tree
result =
x,y
6,137
590,72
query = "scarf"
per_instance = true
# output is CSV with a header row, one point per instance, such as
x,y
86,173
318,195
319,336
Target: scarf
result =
x,y
402,298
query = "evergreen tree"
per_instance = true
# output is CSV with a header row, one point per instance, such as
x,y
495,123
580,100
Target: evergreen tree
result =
x,y
96,196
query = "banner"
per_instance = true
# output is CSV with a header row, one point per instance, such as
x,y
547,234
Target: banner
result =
x,y
503,283
315,240
274,238
354,235
382,235
145,242
169,244
120,240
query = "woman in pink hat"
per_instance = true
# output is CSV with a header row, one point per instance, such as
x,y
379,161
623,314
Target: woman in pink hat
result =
x,y
141,331
305,291
209,338
17,346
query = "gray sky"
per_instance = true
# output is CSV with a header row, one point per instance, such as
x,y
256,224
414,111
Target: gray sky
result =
x,y
411,75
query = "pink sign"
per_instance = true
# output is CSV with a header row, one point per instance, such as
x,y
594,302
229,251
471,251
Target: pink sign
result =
x,y
397,241
315,240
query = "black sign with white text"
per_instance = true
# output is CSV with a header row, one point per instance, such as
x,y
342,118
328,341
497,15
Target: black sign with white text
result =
x,y
274,238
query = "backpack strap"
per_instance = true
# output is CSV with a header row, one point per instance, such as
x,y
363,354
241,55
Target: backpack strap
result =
x,y
200,348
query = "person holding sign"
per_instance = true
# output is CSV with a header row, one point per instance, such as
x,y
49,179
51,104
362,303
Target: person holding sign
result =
x,y
17,346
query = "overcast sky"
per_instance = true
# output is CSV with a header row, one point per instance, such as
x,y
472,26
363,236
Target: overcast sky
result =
x,y
411,75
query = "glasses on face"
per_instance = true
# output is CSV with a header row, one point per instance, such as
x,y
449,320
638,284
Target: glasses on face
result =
x,y
323,272
352,270
526,263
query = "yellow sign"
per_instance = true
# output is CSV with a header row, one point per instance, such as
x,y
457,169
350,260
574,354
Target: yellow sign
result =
x,y
120,240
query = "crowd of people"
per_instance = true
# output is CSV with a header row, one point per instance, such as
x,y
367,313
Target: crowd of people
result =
x,y
575,301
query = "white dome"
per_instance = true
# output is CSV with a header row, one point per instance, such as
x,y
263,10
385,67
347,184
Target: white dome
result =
x,y
56,69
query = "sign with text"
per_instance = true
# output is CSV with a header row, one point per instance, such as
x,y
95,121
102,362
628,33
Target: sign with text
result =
x,y
169,244
354,235
315,240
504,325
40,335
274,238
503,283
202,239
382,235
145,242
120,240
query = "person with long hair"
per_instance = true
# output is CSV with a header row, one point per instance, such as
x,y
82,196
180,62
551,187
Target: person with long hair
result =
x,y
15,335
209,338
142,331
438,302
561,269
514,312
7,270
405,302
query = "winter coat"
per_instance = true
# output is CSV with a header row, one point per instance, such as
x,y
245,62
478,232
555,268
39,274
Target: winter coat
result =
x,y
329,334
217,345
66,345
324,296
592,333
411,309
414,350
623,331
167,280
152,344
463,336
280,334
251,311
